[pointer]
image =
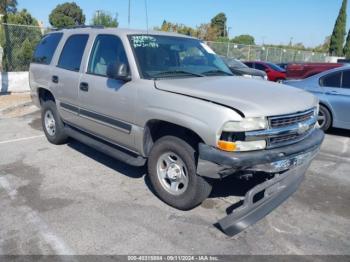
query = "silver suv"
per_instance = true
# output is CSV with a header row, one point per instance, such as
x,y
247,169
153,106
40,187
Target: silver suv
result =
x,y
168,101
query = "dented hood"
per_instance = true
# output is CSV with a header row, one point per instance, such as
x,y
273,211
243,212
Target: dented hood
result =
x,y
251,97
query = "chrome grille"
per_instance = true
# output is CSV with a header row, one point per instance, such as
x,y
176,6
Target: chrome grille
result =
x,y
286,129
286,139
282,121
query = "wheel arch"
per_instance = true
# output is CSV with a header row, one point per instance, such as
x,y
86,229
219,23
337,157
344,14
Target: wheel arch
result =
x,y
156,129
329,108
45,94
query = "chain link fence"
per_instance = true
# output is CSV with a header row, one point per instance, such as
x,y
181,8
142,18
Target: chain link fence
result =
x,y
17,44
265,53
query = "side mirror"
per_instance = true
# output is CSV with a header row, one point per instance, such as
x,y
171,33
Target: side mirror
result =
x,y
267,70
119,72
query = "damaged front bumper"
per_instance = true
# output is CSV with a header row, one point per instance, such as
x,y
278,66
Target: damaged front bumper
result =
x,y
288,164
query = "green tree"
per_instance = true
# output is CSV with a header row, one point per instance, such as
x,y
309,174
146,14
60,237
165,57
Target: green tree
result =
x,y
244,40
339,31
6,7
219,23
67,15
104,18
346,49
18,41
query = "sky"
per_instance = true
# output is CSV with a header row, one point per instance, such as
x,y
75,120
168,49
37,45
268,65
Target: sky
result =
x,y
269,21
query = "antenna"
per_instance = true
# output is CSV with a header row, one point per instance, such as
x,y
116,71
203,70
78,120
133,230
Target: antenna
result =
x,y
129,10
146,9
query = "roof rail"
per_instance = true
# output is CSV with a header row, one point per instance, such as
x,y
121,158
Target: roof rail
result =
x,y
80,26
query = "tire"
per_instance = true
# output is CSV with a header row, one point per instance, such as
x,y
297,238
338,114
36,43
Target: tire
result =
x,y
171,162
324,118
52,124
280,80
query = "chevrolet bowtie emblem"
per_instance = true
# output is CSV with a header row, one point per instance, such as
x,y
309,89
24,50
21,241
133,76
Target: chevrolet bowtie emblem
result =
x,y
302,128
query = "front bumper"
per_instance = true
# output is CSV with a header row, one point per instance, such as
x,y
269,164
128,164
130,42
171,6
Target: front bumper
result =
x,y
265,197
214,163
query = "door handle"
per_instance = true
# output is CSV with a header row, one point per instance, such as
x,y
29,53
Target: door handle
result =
x,y
84,86
54,79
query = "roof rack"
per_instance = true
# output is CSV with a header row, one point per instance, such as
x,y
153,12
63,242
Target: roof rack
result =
x,y
80,26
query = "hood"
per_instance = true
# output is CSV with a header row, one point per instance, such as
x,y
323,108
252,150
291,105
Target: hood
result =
x,y
247,71
251,97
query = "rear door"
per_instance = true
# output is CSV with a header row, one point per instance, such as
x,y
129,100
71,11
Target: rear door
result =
x,y
65,77
40,68
107,105
337,91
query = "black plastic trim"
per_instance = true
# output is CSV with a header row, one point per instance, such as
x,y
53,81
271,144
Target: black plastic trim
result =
x,y
106,119
105,147
70,107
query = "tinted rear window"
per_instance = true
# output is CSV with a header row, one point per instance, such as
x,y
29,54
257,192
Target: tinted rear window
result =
x,y
46,48
72,52
346,79
332,80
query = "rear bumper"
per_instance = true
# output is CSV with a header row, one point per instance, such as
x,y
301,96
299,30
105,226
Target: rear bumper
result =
x,y
288,164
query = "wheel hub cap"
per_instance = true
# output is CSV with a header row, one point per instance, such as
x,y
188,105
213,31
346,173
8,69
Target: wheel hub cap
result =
x,y
172,173
50,123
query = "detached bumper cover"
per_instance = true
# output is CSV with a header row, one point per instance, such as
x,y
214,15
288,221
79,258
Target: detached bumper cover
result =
x,y
274,191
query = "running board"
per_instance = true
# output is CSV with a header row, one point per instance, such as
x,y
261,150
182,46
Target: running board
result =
x,y
105,147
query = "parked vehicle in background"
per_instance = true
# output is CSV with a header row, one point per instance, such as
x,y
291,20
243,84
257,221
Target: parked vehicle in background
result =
x,y
273,71
240,69
333,89
283,65
169,102
305,70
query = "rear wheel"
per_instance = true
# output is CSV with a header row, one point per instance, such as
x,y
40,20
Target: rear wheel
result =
x,y
52,123
324,118
172,172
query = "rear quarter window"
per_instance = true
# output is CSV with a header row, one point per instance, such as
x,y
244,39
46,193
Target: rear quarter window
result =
x,y
46,48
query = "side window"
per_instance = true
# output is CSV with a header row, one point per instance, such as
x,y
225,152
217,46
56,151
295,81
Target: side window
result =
x,y
260,67
331,80
72,52
346,79
107,50
249,64
46,48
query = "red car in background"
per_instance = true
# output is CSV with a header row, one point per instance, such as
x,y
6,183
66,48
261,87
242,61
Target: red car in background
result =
x,y
305,70
274,72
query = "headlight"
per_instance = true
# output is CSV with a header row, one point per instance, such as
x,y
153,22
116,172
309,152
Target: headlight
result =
x,y
246,124
241,146
266,78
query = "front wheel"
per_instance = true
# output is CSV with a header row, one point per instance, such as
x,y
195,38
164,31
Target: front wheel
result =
x,y
172,172
324,118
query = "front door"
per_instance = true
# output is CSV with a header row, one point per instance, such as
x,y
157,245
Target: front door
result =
x,y
107,105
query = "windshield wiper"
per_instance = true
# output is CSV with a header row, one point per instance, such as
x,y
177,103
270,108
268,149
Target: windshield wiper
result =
x,y
217,72
176,72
